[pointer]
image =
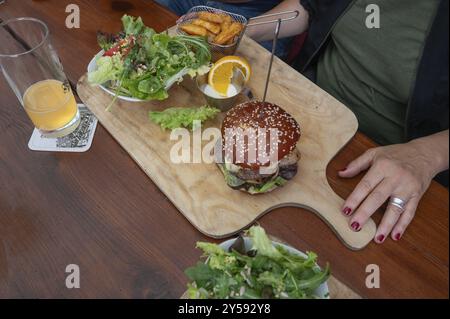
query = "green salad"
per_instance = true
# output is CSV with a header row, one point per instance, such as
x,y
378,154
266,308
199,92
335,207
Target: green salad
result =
x,y
143,64
267,271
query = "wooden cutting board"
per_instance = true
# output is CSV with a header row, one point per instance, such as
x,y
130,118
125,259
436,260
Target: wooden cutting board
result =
x,y
199,190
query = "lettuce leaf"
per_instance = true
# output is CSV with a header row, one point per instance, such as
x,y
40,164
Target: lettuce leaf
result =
x,y
201,273
173,118
279,181
108,69
231,179
262,243
210,249
131,25
196,293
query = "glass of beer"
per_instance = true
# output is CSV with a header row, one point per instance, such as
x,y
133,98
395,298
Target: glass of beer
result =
x,y
32,68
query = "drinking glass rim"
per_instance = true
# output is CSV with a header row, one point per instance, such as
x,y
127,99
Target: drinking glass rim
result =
x,y
44,39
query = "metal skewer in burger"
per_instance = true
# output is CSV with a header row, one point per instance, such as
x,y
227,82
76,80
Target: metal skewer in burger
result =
x,y
256,161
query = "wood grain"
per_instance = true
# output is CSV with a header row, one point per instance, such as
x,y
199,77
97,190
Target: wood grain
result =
x,y
199,190
101,211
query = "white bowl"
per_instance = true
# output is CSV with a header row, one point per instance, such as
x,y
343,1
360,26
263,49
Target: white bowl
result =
x,y
92,66
322,291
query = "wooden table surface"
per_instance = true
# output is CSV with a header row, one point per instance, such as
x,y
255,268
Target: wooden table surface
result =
x,y
100,211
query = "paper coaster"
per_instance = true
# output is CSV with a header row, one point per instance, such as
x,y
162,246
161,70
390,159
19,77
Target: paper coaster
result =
x,y
79,141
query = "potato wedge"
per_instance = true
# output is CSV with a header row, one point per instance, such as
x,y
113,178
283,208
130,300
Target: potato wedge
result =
x,y
194,30
211,17
226,24
211,27
229,34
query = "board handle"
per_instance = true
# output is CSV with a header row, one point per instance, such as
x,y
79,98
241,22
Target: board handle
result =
x,y
329,209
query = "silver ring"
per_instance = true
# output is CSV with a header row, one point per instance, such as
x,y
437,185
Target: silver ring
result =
x,y
398,202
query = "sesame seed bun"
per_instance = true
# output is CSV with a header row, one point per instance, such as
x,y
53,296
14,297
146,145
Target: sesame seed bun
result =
x,y
252,116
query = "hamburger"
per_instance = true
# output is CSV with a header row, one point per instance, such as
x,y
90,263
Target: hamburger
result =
x,y
270,133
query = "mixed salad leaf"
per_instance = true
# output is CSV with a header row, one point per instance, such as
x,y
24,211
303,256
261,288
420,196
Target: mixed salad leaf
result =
x,y
143,64
266,271
174,117
235,182
273,183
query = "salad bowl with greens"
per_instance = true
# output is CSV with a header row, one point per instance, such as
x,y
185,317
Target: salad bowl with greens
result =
x,y
255,267
139,64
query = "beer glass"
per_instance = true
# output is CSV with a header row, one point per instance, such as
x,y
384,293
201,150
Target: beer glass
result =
x,y
34,72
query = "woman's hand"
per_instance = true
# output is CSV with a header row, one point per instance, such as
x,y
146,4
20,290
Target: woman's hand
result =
x,y
402,171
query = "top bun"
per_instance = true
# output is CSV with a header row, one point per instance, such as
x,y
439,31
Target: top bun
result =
x,y
251,116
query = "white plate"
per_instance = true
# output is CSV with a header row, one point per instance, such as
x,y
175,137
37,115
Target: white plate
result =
x,y
322,291
92,66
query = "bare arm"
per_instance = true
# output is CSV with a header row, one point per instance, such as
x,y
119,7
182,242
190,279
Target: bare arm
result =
x,y
436,146
288,29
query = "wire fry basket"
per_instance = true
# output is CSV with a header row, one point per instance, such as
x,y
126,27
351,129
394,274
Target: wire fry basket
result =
x,y
218,51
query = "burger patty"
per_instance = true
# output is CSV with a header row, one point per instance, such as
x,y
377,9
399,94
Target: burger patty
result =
x,y
256,183
287,168
251,175
288,172
289,165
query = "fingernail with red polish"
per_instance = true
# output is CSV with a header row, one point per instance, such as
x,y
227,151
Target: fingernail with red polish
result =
x,y
380,238
398,236
343,170
355,226
347,211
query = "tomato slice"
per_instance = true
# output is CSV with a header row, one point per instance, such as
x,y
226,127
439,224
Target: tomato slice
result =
x,y
124,47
